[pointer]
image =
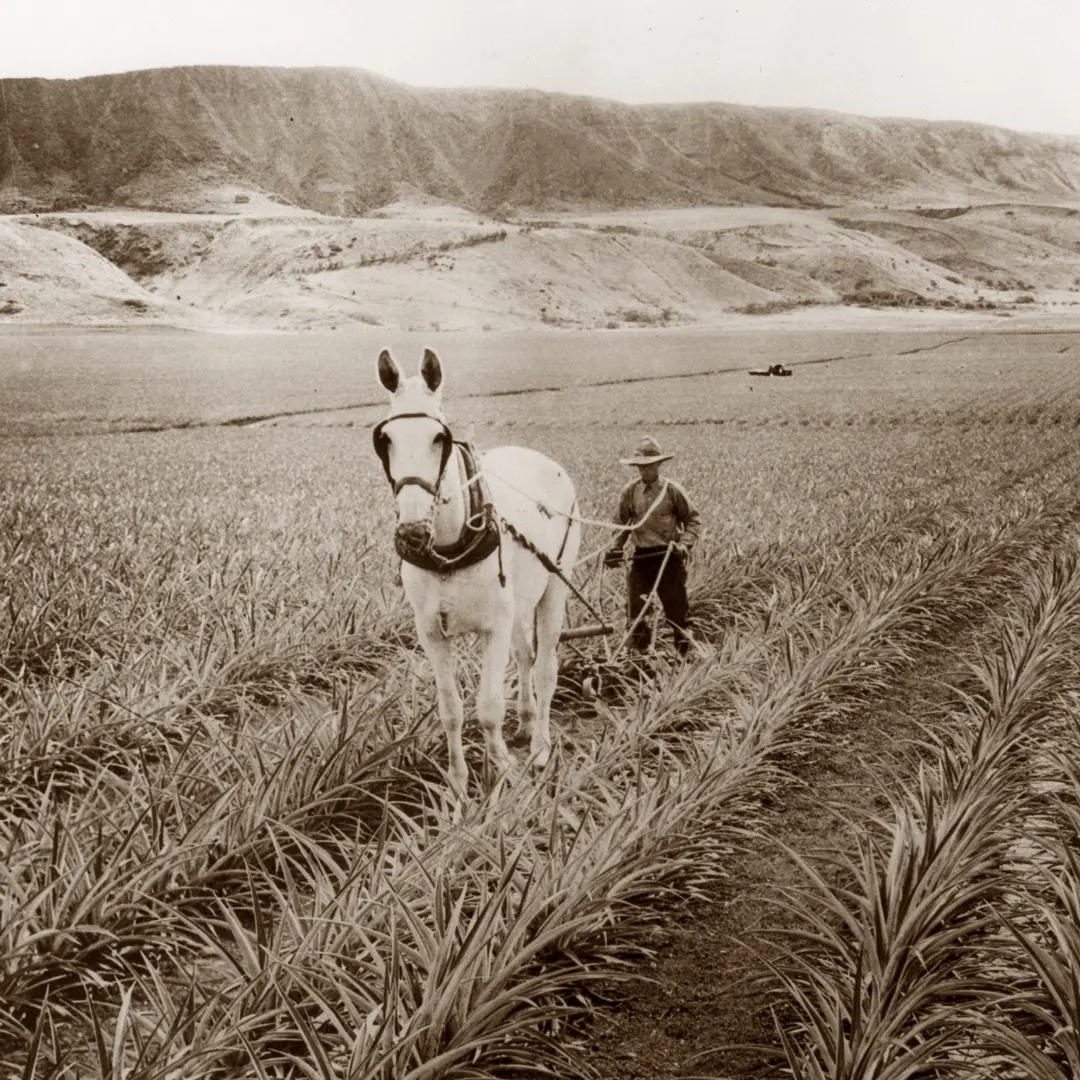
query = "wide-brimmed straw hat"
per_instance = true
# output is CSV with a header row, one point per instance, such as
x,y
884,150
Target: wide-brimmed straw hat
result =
x,y
648,453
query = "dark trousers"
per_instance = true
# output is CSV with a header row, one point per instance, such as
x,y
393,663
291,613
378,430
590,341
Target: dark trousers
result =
x,y
671,592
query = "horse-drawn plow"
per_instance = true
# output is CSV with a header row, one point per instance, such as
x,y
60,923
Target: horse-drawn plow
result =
x,y
599,659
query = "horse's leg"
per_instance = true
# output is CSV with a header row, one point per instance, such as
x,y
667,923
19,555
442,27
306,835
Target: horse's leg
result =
x,y
524,657
549,621
491,694
440,654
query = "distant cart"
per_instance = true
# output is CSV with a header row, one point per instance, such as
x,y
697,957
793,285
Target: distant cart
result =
x,y
776,369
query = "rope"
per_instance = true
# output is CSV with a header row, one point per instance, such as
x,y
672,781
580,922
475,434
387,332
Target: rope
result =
x,y
551,568
592,555
610,525
624,528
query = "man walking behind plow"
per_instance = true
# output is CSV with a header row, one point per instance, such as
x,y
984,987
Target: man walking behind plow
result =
x,y
659,514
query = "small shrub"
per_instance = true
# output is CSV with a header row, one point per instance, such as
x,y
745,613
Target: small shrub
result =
x,y
771,307
642,317
883,298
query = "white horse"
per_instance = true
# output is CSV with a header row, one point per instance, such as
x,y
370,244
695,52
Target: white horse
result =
x,y
479,539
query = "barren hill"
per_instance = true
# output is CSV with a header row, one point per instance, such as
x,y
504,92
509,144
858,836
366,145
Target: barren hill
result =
x,y
416,264
51,278
342,141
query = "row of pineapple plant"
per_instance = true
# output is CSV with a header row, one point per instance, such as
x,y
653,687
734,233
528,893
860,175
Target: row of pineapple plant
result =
x,y
921,945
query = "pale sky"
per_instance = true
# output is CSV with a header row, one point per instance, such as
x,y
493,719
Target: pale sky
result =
x,y
1015,63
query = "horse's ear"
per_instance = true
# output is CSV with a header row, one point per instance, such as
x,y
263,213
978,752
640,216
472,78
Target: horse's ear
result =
x,y
431,371
389,372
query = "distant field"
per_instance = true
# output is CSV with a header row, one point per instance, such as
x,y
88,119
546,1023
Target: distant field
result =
x,y
855,379
94,382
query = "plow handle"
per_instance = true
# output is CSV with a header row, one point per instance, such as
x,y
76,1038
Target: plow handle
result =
x,y
586,631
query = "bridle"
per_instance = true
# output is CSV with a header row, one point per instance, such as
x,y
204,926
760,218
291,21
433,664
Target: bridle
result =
x,y
381,441
480,534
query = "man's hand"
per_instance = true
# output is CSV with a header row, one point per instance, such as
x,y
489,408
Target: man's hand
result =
x,y
613,558
682,552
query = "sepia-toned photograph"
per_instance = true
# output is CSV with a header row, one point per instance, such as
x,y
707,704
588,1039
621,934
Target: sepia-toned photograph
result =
x,y
539,540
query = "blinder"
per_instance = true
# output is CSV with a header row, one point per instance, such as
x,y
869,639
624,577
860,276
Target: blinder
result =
x,y
381,441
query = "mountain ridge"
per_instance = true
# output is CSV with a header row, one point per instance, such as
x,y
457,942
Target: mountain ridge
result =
x,y
342,140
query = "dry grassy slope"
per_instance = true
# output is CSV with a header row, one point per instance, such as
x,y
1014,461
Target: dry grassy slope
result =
x,y
985,248
421,264
1057,225
993,250
46,277
822,260
340,140
558,277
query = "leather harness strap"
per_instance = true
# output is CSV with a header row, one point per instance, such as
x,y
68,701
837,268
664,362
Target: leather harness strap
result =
x,y
381,441
480,534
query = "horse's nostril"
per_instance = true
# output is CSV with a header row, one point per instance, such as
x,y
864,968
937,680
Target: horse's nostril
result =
x,y
413,540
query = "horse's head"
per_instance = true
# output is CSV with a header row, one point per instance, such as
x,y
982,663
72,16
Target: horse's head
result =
x,y
414,443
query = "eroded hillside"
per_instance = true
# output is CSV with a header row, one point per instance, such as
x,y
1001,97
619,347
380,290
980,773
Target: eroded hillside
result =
x,y
48,277
417,264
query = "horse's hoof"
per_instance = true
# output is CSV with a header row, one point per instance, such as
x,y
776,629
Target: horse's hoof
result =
x,y
540,758
457,787
519,740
